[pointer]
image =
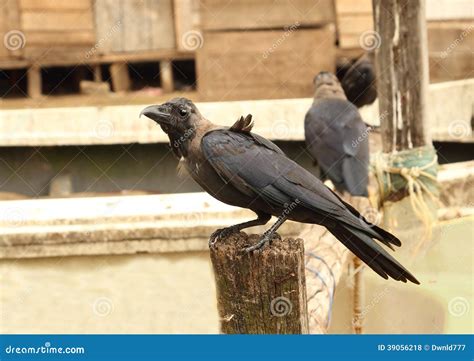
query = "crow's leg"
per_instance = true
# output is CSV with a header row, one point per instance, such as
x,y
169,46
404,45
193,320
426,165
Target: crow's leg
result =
x,y
262,218
267,236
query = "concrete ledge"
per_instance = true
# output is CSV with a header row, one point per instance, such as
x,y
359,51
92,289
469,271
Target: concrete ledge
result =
x,y
450,106
116,225
154,223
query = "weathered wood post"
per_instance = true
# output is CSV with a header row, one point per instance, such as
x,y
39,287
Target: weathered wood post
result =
x,y
262,292
402,72
407,170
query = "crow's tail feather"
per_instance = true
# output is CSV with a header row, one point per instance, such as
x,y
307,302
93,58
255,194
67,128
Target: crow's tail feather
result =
x,y
371,253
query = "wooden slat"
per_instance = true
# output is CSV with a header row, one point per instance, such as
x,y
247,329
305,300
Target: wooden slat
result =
x,y
134,25
185,20
54,4
159,16
51,38
354,24
54,20
353,7
264,66
57,55
264,14
108,21
57,58
456,34
450,50
9,20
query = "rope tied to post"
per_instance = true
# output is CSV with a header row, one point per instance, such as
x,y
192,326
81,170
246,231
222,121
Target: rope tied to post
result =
x,y
413,171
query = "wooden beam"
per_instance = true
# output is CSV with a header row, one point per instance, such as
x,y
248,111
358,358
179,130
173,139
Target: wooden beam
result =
x,y
120,77
34,82
262,292
166,76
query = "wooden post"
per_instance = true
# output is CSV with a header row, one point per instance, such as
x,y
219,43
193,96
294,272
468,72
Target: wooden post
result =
x,y
97,70
120,77
262,292
34,82
166,76
402,72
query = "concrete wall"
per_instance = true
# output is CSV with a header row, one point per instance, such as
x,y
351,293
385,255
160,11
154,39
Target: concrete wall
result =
x,y
155,293
174,292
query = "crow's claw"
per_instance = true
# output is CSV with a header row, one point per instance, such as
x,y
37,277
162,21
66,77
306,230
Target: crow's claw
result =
x,y
221,233
266,238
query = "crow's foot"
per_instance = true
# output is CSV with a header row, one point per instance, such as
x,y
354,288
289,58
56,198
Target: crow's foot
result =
x,y
266,238
221,233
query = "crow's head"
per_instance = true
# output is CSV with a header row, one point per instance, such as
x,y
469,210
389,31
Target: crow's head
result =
x,y
178,115
325,78
179,118
326,85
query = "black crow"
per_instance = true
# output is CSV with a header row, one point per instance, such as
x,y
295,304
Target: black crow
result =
x,y
243,169
337,138
359,81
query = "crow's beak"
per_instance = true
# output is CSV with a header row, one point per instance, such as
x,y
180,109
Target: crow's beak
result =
x,y
158,113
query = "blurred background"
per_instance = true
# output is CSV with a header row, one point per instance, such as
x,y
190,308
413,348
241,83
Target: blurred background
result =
x,y
99,233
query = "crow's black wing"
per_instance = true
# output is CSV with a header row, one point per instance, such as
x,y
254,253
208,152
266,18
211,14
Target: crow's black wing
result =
x,y
337,138
253,162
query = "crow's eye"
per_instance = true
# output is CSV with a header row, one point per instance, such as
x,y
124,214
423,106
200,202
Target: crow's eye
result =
x,y
183,112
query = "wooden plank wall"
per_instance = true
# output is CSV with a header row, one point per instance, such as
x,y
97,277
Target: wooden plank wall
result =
x,y
451,50
55,29
271,64
353,19
450,34
264,49
187,23
134,25
10,31
264,14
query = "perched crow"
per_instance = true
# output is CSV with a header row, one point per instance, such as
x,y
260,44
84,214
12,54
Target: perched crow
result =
x,y
359,81
243,169
337,138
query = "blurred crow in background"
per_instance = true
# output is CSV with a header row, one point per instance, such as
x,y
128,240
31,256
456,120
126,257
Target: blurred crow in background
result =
x,y
359,82
243,169
337,138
